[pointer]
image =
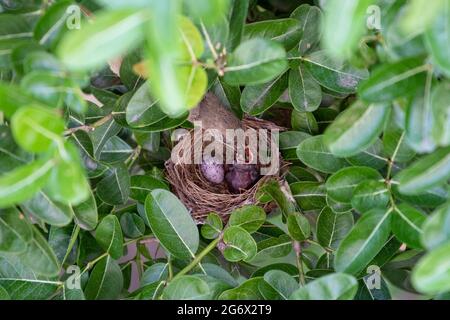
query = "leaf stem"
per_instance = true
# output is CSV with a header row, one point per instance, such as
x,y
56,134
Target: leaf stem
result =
x,y
301,272
198,258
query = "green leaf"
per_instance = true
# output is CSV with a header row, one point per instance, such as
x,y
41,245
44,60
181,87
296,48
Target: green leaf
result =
x,y
333,75
340,186
281,282
314,153
36,129
67,182
369,195
437,38
356,129
238,15
86,215
109,236
407,225
256,99
309,195
105,281
285,31
441,120
273,189
336,286
249,218
248,290
133,225
156,272
44,208
142,109
255,61
51,25
22,183
310,18
115,188
333,227
298,226
305,93
289,141
239,244
40,257
4,294
171,223
393,80
141,186
364,242
373,157
14,231
187,288
12,98
212,227
118,31
305,122
428,172
206,11
394,142
273,250
436,230
431,275
344,25
115,150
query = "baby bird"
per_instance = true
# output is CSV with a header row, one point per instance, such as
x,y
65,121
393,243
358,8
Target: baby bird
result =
x,y
241,177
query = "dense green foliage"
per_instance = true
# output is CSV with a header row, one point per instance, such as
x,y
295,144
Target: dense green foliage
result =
x,y
83,140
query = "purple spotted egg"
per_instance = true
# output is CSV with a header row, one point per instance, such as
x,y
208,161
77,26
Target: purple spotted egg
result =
x,y
213,171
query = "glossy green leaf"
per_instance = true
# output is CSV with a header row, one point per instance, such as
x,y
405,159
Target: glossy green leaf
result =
x,y
109,236
391,81
254,62
305,122
336,286
171,223
256,99
133,225
441,119
282,283
309,195
340,186
333,75
116,30
44,208
364,241
369,195
438,38
428,172
187,288
407,225
298,226
344,24
314,153
212,227
356,129
311,19
36,129
40,257
105,281
436,230
141,186
67,182
239,244
143,110
115,188
305,93
285,31
431,275
249,218
22,183
333,227
14,231
86,215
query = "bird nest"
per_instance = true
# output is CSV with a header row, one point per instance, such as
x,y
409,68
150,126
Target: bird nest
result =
x,y
202,197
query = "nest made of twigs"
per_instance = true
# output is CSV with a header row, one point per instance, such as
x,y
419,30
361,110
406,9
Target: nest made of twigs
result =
x,y
202,197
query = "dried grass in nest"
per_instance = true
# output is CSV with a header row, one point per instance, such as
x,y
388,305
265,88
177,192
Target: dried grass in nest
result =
x,y
202,197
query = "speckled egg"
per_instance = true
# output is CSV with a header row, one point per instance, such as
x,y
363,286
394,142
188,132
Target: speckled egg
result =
x,y
214,172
